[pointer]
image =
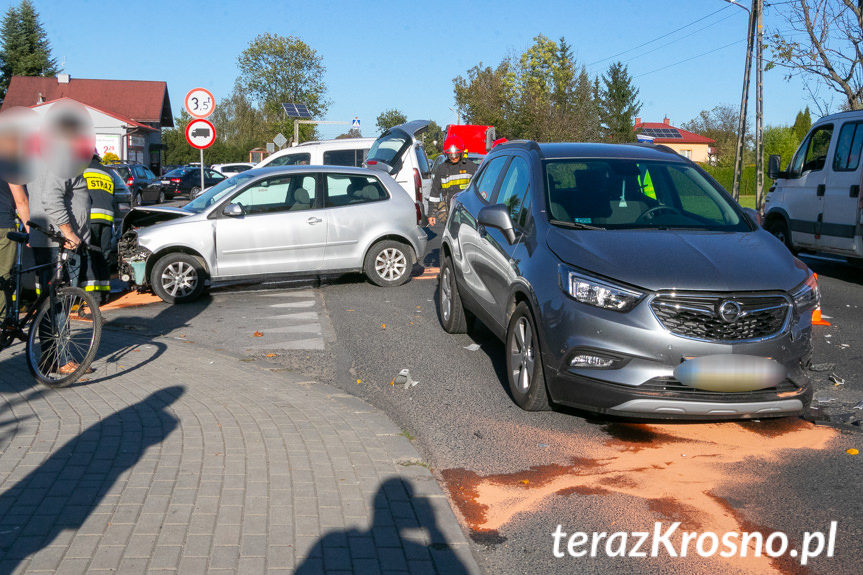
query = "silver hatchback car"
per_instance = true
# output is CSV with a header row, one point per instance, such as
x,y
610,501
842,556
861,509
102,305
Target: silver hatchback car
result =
x,y
275,222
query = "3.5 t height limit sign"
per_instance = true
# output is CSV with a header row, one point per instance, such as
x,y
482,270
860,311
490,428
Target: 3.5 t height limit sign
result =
x,y
200,133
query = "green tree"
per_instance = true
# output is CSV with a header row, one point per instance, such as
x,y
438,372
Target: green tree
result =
x,y
720,124
432,139
278,69
24,46
781,140
240,127
802,123
486,96
618,104
390,118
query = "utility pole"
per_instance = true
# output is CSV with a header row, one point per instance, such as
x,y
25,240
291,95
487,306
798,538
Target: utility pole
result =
x,y
744,99
758,6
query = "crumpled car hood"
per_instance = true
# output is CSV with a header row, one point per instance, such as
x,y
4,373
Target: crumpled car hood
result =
x,y
140,217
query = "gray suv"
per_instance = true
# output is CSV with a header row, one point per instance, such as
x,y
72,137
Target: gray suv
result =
x,y
624,280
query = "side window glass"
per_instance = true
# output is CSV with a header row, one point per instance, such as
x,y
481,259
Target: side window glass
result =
x,y
339,158
139,172
148,174
514,187
813,153
422,161
847,156
292,160
345,190
279,194
488,177
360,157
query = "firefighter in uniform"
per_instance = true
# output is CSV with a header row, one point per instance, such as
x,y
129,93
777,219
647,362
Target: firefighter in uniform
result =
x,y
103,211
451,177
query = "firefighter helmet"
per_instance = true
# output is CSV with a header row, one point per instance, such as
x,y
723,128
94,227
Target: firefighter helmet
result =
x,y
453,147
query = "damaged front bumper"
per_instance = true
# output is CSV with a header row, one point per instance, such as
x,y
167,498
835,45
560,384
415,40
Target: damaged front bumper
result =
x,y
132,265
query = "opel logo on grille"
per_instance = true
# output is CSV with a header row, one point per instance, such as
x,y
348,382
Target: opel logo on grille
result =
x,y
730,311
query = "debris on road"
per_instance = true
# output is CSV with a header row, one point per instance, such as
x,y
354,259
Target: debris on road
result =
x,y
822,367
852,451
835,379
859,405
472,347
404,378
258,334
478,434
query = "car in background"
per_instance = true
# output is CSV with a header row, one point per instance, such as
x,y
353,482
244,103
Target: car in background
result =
x,y
231,169
269,223
400,153
143,184
341,152
624,280
186,181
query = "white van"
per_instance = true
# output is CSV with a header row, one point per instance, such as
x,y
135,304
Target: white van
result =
x,y
342,152
399,152
815,204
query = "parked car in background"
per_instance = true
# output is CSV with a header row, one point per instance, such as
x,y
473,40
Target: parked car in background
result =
x,y
121,190
231,169
169,168
143,184
187,181
815,204
399,152
268,223
624,280
341,152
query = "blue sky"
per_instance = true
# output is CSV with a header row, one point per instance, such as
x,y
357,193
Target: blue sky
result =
x,y
405,54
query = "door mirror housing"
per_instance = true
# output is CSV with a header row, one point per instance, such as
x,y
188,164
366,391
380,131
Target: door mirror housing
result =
x,y
753,215
497,216
233,211
774,163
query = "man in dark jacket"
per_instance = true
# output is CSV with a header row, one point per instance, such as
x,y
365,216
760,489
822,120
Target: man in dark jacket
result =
x,y
452,176
103,212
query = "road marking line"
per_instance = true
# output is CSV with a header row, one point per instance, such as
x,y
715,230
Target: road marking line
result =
x,y
305,327
299,316
309,343
295,304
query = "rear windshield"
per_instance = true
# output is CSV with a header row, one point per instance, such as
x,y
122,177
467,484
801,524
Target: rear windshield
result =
x,y
389,147
178,173
629,194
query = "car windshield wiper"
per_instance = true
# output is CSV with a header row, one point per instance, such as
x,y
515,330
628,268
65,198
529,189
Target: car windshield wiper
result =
x,y
575,225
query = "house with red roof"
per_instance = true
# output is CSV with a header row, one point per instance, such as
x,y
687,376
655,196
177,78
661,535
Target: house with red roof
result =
x,y
696,147
128,115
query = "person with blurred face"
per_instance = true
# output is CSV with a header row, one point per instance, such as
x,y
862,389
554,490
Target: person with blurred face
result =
x,y
13,203
452,176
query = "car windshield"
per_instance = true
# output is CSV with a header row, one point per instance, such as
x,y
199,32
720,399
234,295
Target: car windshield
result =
x,y
389,147
217,192
629,194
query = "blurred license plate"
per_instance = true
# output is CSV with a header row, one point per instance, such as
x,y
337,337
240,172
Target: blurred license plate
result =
x,y
166,182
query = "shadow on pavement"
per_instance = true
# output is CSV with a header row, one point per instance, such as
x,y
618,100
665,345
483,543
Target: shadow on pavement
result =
x,y
65,489
384,546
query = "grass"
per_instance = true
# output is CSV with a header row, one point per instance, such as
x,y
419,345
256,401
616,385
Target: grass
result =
x,y
407,434
747,201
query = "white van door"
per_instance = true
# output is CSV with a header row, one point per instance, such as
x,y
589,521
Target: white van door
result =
x,y
842,193
806,185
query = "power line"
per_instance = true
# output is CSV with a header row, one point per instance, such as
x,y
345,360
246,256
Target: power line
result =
x,y
661,37
690,58
681,38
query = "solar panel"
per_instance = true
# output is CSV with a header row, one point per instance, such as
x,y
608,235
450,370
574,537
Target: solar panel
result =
x,y
670,133
296,110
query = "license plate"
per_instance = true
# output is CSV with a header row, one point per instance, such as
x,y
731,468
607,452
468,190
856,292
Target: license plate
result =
x,y
166,182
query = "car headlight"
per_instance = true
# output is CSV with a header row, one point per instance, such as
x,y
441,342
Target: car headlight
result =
x,y
602,294
807,296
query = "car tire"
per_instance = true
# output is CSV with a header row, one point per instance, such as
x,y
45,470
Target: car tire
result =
x,y
779,228
452,313
178,278
139,199
161,196
388,263
194,192
524,362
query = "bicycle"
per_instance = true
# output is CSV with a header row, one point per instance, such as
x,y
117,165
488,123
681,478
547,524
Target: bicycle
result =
x,y
65,321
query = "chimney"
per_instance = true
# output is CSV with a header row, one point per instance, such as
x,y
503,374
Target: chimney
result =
x,y
637,121
666,121
63,78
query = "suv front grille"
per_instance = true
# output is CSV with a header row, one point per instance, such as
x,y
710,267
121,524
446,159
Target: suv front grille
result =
x,y
698,316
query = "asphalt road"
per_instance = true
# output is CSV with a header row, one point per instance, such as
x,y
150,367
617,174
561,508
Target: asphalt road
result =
x,y
514,476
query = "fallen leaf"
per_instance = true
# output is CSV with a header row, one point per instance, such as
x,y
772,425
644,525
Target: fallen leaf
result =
x,y
525,481
383,326
393,382
258,334
350,310
852,451
136,350
272,355
359,381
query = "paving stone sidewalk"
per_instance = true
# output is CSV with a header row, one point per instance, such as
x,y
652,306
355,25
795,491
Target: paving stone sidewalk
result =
x,y
173,458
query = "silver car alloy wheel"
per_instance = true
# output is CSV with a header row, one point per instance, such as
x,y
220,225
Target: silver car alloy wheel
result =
x,y
391,264
523,356
179,279
446,293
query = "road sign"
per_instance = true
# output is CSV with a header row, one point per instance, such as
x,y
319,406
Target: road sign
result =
x,y
280,140
271,147
200,103
200,134
355,125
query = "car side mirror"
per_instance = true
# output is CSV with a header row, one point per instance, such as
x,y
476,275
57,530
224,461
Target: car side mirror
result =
x,y
753,215
497,216
233,211
773,166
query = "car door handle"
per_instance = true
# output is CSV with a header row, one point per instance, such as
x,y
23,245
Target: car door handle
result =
x,y
312,221
820,190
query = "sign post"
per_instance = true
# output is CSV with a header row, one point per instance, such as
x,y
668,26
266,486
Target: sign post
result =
x,y
200,104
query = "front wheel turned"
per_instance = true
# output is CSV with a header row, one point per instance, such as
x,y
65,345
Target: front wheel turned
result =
x,y
178,278
524,361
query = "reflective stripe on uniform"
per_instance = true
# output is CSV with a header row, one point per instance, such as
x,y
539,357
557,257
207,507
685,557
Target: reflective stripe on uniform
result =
x,y
101,215
96,285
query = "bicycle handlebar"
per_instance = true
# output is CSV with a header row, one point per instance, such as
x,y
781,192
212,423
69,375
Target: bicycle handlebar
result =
x,y
60,238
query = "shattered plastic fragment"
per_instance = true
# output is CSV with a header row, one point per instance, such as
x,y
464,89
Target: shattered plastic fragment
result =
x,y
472,347
404,378
835,379
859,405
822,367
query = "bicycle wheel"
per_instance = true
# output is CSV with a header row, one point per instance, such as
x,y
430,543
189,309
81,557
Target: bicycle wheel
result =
x,y
63,341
